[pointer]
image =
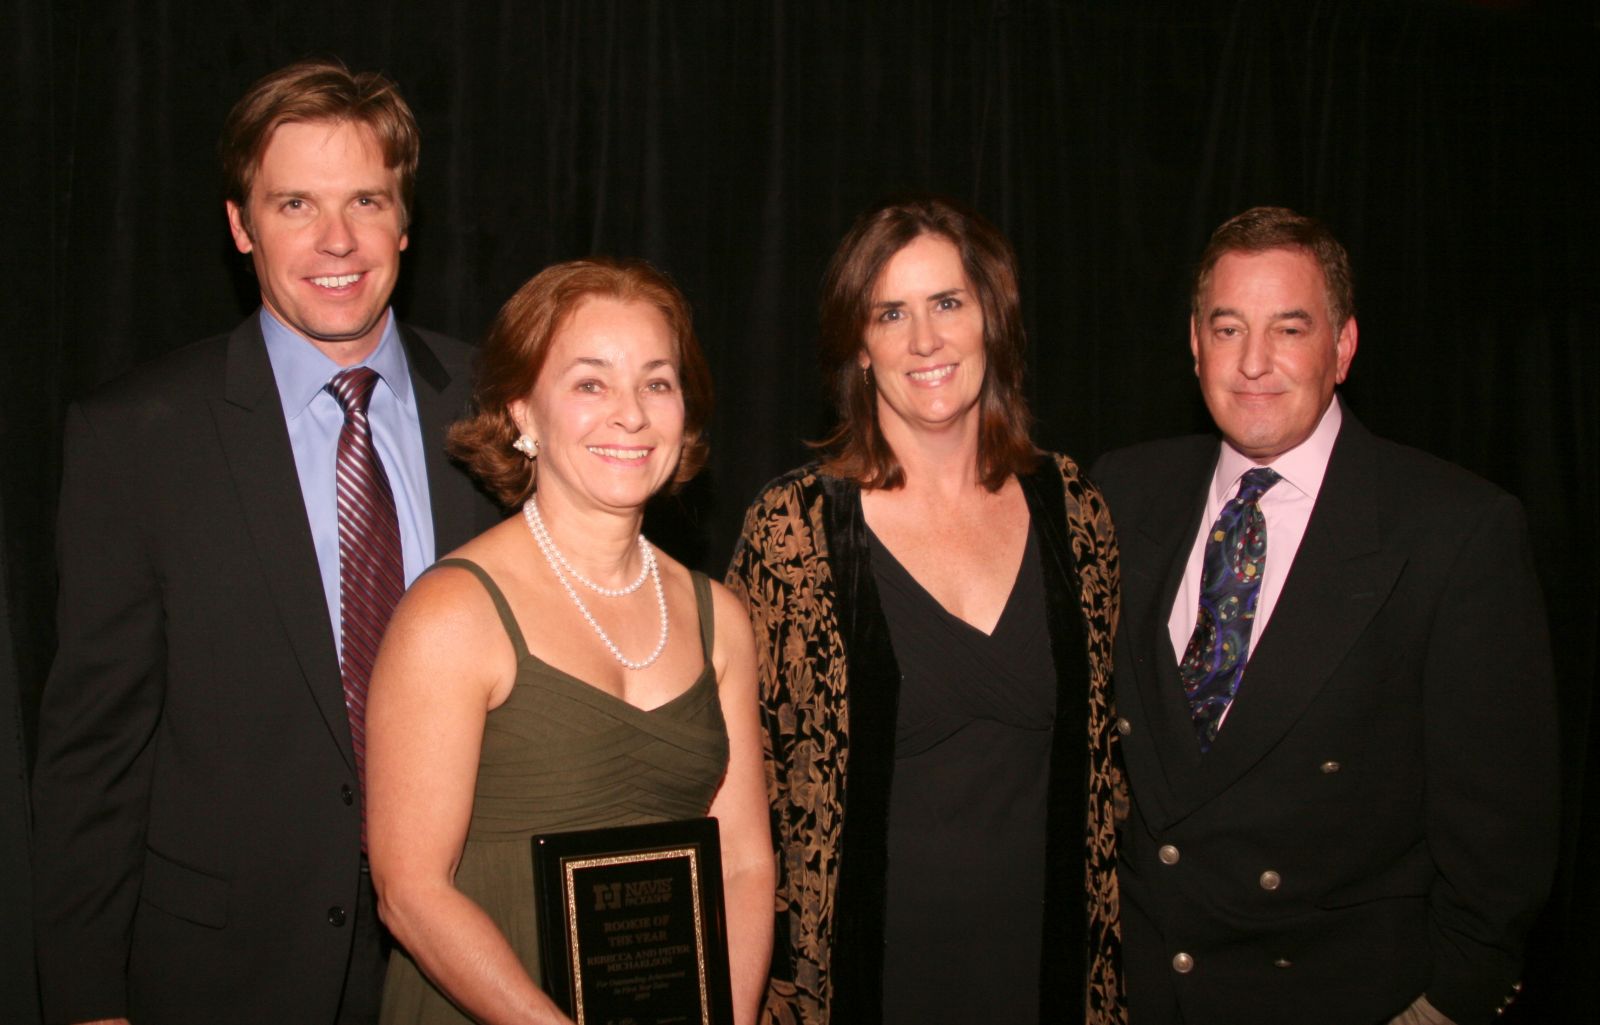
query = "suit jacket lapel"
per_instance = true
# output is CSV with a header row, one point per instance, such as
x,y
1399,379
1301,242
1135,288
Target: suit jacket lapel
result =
x,y
255,443
1153,561
440,400
1340,578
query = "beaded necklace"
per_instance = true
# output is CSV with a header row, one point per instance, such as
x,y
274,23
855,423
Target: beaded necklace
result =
x,y
558,562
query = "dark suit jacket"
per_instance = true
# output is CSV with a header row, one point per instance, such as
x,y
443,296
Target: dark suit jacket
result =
x,y
1389,758
197,817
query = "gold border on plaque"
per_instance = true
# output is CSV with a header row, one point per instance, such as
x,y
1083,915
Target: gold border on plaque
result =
x,y
569,866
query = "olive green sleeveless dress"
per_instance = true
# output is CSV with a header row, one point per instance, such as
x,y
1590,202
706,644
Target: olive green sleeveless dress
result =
x,y
560,755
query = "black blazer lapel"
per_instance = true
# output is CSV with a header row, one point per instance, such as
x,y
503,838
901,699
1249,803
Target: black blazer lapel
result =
x,y
441,399
1064,603
872,706
1065,923
1155,549
255,443
1340,578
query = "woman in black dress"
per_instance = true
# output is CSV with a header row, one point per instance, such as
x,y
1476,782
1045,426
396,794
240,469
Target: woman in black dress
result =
x,y
933,606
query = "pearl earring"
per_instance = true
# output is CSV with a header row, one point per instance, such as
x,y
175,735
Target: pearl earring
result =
x,y
527,446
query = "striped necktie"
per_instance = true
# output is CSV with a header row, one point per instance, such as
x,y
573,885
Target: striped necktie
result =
x,y
371,569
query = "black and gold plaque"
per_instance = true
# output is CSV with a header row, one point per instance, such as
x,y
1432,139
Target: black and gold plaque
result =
x,y
631,924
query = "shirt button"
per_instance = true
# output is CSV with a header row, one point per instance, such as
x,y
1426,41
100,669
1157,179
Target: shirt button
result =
x,y
1182,963
346,795
1270,880
1168,854
336,916
1330,767
1124,727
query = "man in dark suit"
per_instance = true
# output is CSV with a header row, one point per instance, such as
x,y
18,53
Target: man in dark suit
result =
x,y
233,530
1333,683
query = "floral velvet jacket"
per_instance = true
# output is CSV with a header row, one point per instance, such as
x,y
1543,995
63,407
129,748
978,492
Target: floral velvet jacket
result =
x,y
829,689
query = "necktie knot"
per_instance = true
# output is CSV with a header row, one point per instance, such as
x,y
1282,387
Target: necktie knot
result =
x,y
352,388
1256,483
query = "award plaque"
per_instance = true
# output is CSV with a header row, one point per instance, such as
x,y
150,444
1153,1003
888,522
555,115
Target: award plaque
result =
x,y
631,927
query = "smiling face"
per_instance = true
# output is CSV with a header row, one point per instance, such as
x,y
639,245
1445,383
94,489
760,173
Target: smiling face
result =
x,y
324,229
1266,350
607,409
924,340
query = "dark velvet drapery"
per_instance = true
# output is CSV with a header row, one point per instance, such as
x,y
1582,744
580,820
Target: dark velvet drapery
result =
x,y
1451,144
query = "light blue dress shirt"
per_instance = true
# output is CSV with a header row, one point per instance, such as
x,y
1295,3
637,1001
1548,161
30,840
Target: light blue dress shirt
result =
x,y
315,419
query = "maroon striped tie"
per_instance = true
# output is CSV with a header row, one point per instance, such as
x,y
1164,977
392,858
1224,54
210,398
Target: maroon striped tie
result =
x,y
371,569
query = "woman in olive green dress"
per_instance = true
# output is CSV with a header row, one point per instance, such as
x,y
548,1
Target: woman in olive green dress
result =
x,y
557,672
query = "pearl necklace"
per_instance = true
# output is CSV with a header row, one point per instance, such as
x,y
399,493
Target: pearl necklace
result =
x,y
530,513
552,555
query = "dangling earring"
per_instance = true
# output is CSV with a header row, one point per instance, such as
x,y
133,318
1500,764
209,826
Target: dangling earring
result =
x,y
866,377
527,446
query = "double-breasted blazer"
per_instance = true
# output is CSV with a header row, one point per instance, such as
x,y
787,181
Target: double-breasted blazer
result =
x,y
1376,818
197,811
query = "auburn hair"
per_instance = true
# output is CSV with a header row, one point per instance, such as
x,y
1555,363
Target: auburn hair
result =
x,y
518,343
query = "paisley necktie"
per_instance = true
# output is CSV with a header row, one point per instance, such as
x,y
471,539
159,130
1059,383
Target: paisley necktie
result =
x,y
1235,556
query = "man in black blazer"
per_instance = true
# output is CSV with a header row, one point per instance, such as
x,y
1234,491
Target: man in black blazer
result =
x,y
1335,699
197,796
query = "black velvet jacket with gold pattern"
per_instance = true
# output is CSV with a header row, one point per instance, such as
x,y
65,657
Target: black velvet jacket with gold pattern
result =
x,y
829,688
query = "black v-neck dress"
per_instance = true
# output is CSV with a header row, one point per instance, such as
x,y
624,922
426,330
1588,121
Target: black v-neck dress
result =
x,y
967,806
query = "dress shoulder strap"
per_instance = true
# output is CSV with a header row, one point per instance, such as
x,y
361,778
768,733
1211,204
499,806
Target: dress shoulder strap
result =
x,y
702,608
501,606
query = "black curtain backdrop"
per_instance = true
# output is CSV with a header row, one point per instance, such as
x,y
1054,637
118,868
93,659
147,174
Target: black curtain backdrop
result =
x,y
1452,145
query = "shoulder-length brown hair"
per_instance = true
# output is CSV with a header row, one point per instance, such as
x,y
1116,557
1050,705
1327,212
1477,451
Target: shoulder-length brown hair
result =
x,y
514,353
857,449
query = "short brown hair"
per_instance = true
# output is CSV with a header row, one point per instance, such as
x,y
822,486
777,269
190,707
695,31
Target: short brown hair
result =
x,y
857,449
317,90
519,341
1261,228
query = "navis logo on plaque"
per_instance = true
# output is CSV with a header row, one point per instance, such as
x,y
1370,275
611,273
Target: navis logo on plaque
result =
x,y
616,896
